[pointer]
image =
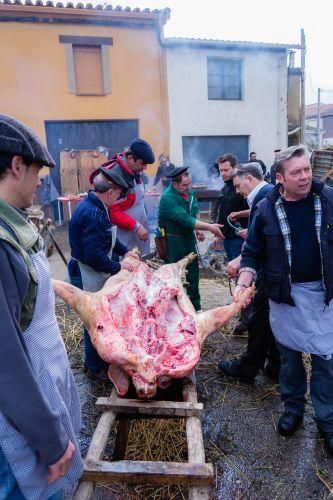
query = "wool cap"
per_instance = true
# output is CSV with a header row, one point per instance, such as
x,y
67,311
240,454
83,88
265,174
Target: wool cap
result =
x,y
18,139
142,150
114,176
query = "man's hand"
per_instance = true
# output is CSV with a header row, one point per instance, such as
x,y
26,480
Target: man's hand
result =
x,y
127,265
200,235
233,267
61,467
216,230
244,282
142,233
242,234
234,216
132,254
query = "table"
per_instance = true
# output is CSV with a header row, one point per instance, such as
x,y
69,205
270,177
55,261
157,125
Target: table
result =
x,y
69,200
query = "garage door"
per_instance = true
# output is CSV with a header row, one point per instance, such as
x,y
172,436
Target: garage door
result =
x,y
200,152
112,134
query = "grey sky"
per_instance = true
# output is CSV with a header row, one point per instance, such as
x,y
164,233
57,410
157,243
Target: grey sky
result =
x,y
258,20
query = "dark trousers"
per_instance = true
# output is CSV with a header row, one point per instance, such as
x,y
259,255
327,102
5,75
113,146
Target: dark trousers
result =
x,y
92,360
233,247
261,344
293,386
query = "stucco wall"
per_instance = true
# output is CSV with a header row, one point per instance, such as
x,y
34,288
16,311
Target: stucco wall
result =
x,y
34,84
262,114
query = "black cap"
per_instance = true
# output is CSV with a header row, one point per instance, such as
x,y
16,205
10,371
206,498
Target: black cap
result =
x,y
142,150
113,176
177,172
18,139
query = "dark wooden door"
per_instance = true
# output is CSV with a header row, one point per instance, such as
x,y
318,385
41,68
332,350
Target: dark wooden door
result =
x,y
78,135
200,153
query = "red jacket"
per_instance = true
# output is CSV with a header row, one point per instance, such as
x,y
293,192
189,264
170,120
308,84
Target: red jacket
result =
x,y
117,211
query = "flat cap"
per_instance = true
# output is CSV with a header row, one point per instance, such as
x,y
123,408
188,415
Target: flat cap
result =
x,y
113,176
18,139
177,172
142,150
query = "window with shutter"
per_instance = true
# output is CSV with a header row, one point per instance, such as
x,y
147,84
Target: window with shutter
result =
x,y
88,70
224,78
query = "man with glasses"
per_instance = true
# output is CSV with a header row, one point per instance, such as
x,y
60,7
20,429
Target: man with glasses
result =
x,y
249,182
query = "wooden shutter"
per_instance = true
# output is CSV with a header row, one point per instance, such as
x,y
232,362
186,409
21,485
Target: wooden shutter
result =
x,y
88,70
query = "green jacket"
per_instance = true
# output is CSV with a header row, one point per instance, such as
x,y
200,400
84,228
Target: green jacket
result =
x,y
177,215
23,237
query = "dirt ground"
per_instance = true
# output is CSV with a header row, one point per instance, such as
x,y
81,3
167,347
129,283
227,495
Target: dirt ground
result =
x,y
252,460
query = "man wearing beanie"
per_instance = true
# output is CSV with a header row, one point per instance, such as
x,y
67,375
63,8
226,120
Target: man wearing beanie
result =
x,y
128,213
39,403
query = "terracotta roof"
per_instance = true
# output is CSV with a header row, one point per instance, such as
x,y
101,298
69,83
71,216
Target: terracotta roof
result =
x,y
12,6
214,43
325,110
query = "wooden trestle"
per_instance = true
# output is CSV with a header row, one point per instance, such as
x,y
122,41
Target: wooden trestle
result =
x,y
196,473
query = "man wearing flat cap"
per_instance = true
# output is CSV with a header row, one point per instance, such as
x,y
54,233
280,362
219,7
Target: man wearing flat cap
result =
x,y
177,215
128,213
39,403
93,245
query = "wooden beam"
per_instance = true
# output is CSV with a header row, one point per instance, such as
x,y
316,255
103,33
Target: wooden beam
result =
x,y
86,40
140,472
195,444
157,408
85,489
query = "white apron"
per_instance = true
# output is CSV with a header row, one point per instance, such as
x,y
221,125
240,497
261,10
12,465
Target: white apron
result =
x,y
93,281
138,212
307,327
50,364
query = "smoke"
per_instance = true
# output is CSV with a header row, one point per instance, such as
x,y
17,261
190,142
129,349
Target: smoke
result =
x,y
202,172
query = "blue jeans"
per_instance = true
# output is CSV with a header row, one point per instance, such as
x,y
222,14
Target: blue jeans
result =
x,y
233,247
92,360
293,385
9,489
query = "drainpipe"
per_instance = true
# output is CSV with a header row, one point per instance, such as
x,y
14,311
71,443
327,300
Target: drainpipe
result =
x,y
302,117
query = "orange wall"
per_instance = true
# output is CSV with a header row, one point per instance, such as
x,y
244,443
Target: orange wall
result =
x,y
34,84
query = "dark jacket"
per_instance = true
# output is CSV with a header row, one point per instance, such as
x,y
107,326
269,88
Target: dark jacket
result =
x,y
22,400
262,193
90,236
265,246
229,202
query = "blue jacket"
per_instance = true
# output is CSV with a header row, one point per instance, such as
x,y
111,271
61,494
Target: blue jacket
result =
x,y
90,236
265,246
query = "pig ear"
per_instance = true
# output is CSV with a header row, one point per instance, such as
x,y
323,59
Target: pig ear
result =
x,y
210,321
73,296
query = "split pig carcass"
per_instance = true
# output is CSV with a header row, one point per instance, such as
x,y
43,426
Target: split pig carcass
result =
x,y
143,324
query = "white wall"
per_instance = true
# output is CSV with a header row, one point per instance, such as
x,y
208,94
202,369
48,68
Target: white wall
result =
x,y
262,114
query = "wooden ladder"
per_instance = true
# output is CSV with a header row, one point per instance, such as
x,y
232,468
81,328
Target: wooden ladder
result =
x,y
196,473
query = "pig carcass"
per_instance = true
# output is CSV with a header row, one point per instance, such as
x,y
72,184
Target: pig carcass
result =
x,y
143,324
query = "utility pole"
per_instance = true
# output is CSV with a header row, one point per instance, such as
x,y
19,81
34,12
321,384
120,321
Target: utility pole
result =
x,y
318,121
302,117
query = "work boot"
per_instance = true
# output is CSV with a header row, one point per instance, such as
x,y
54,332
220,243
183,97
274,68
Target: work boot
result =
x,y
289,423
328,440
234,369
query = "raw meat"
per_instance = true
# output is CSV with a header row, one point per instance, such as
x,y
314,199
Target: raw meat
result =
x,y
145,326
